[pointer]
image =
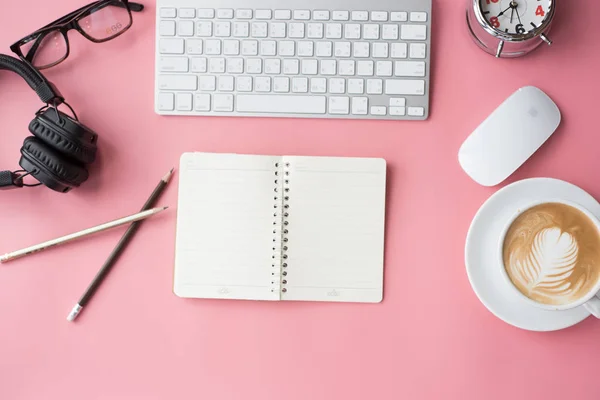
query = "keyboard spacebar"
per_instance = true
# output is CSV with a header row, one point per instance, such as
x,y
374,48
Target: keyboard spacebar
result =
x,y
279,104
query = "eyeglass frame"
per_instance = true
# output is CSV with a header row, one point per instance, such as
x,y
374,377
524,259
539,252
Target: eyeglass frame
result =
x,y
70,22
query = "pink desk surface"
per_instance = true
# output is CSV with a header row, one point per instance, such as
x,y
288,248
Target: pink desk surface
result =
x,y
429,339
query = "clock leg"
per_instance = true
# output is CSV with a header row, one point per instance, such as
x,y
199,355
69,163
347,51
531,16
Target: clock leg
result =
x,y
546,39
500,48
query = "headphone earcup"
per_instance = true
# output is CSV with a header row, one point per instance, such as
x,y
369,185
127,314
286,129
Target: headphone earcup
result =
x,y
49,167
68,136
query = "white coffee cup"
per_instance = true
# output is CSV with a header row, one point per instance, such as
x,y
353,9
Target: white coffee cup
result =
x,y
591,301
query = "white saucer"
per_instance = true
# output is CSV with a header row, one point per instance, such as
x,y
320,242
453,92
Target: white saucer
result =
x,y
482,247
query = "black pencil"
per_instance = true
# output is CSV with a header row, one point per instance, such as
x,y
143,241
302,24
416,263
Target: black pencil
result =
x,y
112,259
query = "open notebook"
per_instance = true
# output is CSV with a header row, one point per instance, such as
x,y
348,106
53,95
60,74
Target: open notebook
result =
x,y
280,228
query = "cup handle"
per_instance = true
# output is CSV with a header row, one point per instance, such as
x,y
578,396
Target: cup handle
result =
x,y
593,306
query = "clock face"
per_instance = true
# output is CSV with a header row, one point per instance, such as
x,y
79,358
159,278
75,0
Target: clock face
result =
x,y
515,16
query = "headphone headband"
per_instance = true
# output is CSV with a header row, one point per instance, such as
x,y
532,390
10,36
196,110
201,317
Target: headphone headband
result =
x,y
44,88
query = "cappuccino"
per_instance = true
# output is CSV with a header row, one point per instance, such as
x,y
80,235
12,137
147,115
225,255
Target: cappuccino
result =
x,y
551,253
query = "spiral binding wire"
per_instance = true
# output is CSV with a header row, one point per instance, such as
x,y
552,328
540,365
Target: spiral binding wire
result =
x,y
280,227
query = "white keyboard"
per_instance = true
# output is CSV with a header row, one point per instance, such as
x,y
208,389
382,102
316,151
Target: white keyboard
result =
x,y
355,59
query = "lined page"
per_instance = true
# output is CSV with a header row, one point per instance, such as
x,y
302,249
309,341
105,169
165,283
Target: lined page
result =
x,y
336,229
224,227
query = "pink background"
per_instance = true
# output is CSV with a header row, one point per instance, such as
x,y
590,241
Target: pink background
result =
x,y
429,339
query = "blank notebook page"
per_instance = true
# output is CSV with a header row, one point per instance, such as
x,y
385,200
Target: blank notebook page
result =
x,y
336,229
224,227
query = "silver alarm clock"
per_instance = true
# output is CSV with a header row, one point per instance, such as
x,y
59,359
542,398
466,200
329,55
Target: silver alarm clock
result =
x,y
510,28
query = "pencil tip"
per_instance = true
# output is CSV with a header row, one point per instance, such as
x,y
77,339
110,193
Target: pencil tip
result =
x,y
164,208
168,176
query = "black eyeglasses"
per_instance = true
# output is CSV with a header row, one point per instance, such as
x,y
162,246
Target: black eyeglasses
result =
x,y
99,22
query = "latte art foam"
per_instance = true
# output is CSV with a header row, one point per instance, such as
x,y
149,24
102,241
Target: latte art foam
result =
x,y
552,254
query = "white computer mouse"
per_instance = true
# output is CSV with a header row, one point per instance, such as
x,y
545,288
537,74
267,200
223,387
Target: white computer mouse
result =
x,y
509,136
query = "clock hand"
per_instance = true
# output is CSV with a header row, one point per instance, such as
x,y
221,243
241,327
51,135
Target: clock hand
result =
x,y
518,16
512,14
502,12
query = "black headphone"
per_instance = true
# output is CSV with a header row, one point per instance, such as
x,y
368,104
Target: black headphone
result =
x,y
57,153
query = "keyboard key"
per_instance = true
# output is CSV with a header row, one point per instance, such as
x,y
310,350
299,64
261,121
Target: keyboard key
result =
x,y
243,14
285,104
168,12
166,101
324,49
418,50
194,46
202,102
352,31
277,30
302,15
249,47
378,110
315,31
416,111
184,102
173,64
318,85
244,84
321,15
379,16
223,102
263,14
365,68
268,48
187,13
199,64
273,66
225,13
262,84
371,31
235,65
398,111
300,85
212,47
309,67
231,47
380,50
328,67
413,32
383,68
241,29
171,46
254,66
333,31
405,87
399,16
339,105
397,102
360,15
208,83
305,49
283,14
340,16
177,82
418,17
356,86
287,48
166,28
296,31
361,50
206,13
337,86
216,65
281,84
223,29
390,32
374,86
185,28
204,29
399,50
409,68
346,67
360,105
259,30
291,67
342,49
